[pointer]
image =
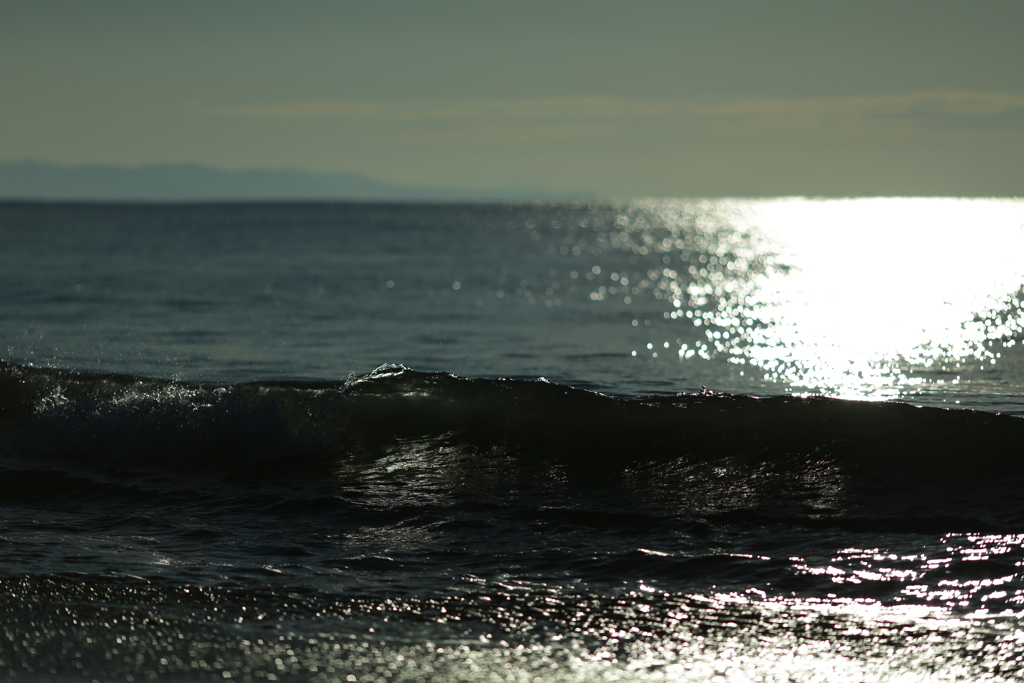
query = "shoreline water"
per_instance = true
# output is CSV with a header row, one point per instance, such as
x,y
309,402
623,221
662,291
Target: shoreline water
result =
x,y
203,477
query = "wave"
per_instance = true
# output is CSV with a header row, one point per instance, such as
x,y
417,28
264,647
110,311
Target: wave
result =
x,y
816,460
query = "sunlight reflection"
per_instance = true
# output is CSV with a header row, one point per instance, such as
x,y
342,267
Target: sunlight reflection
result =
x,y
856,298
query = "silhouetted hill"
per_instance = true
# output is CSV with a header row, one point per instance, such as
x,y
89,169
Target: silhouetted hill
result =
x,y
192,182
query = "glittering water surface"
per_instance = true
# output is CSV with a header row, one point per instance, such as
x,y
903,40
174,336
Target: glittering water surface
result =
x,y
868,298
203,476
871,298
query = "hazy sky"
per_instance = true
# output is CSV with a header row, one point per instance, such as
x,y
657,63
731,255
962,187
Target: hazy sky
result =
x,y
752,97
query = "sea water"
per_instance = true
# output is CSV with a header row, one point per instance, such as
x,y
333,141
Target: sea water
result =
x,y
735,440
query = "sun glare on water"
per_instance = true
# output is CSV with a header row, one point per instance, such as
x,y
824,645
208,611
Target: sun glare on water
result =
x,y
863,298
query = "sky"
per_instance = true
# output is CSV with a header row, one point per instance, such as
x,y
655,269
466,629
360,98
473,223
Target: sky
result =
x,y
621,99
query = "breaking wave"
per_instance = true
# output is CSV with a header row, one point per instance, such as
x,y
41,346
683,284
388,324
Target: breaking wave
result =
x,y
729,458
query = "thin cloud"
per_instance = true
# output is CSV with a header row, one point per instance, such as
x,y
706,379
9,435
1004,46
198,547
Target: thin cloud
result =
x,y
960,102
496,133
520,109
920,111
522,120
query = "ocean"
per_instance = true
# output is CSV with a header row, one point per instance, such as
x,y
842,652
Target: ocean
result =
x,y
665,440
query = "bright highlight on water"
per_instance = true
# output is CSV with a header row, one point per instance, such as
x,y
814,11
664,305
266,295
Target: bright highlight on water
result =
x,y
866,298
513,442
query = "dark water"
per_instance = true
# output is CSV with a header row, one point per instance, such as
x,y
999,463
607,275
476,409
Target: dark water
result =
x,y
210,470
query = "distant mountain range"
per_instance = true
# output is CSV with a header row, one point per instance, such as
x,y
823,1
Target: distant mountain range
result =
x,y
192,182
